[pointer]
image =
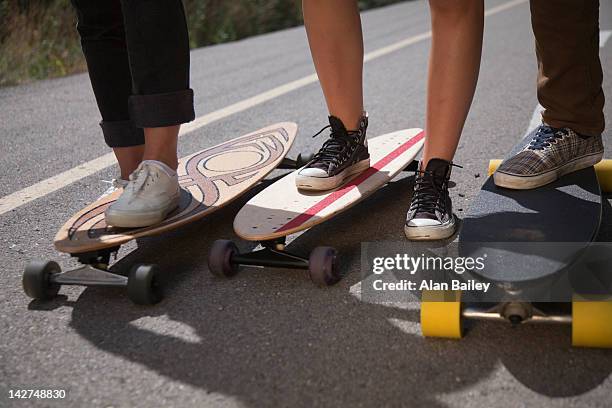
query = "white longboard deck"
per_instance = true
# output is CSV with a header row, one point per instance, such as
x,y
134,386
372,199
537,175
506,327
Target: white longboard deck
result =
x,y
282,209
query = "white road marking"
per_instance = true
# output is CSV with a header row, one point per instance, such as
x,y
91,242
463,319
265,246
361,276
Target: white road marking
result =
x,y
604,36
536,119
57,182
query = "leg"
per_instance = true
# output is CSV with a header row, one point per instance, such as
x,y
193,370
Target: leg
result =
x,y
336,44
158,48
100,25
161,100
161,144
129,158
334,34
569,70
569,89
454,64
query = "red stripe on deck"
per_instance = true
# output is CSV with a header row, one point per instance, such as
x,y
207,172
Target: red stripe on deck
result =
x,y
330,199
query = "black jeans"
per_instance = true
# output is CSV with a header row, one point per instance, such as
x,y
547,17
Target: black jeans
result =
x,y
137,52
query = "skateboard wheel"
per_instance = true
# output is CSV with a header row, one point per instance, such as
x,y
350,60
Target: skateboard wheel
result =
x,y
322,266
493,165
441,314
591,323
604,175
36,282
220,258
143,287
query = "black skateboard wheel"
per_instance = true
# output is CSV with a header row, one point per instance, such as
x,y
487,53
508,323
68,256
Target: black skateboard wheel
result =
x,y
36,280
322,266
143,287
220,258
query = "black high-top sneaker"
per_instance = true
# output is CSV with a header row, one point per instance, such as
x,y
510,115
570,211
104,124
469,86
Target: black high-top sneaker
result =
x,y
430,216
343,155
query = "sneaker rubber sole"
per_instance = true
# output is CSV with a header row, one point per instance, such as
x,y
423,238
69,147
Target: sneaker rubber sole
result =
x,y
518,182
126,219
432,232
329,183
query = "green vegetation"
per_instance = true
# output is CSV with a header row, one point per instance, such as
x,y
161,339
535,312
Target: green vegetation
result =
x,y
38,38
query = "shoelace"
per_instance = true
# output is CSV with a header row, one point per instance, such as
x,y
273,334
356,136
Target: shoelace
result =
x,y
428,195
332,149
545,136
137,180
114,183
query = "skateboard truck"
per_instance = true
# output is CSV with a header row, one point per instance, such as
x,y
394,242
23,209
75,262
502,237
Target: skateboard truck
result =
x,y
443,313
225,260
272,255
514,312
42,280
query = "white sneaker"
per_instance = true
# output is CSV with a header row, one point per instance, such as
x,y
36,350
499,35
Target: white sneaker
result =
x,y
115,184
151,194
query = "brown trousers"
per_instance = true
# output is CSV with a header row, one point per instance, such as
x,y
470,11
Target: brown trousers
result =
x,y
569,70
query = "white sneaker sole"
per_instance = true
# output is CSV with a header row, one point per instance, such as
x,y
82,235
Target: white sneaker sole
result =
x,y
517,182
329,183
432,232
124,219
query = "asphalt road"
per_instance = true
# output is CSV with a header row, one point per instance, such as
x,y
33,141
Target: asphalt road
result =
x,y
271,338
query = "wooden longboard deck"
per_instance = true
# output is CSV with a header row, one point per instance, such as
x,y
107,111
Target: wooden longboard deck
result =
x,y
210,179
281,209
513,227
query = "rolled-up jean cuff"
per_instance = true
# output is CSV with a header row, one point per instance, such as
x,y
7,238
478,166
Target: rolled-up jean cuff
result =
x,y
122,133
160,110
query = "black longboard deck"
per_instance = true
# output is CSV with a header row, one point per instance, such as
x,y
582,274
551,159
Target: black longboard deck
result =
x,y
529,235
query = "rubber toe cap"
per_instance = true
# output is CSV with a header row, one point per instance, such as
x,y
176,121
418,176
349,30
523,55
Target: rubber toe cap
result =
x,y
313,172
422,222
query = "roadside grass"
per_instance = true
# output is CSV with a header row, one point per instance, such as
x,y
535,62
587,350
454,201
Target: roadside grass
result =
x,y
38,42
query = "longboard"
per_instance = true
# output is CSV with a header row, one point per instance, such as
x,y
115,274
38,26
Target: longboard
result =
x,y
530,241
530,236
209,179
282,209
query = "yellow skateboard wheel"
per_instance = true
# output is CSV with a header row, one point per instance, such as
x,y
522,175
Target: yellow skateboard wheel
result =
x,y
604,175
441,314
493,165
592,323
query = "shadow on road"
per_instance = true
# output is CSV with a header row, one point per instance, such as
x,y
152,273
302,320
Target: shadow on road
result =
x,y
270,338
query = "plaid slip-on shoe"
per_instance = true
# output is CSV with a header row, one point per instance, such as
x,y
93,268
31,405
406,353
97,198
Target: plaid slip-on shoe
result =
x,y
551,153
